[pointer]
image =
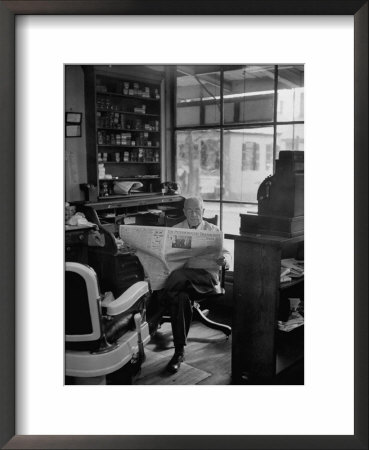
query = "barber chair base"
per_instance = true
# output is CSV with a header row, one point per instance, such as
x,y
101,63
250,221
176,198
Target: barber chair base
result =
x,y
200,315
86,380
89,365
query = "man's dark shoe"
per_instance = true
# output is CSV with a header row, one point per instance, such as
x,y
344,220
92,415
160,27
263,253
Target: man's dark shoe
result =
x,y
175,362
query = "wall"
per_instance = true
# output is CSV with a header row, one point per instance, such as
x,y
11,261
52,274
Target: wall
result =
x,y
75,147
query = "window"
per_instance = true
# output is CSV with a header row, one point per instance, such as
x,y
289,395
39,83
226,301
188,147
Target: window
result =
x,y
250,156
231,123
198,163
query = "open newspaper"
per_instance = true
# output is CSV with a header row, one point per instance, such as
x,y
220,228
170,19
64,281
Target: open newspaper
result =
x,y
162,250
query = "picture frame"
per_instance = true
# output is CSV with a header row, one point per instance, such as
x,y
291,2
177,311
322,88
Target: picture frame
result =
x,y
73,118
73,124
72,130
8,10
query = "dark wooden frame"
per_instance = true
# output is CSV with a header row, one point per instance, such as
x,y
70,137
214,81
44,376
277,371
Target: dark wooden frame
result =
x,y
8,11
69,133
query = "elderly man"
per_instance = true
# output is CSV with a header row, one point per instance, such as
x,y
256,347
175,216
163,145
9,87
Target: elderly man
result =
x,y
188,283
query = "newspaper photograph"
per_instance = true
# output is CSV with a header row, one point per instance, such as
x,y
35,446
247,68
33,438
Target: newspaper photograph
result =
x,y
162,250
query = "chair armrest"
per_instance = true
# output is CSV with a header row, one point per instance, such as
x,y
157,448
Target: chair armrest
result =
x,y
126,300
222,277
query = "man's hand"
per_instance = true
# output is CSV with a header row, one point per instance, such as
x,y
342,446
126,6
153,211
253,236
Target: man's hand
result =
x,y
222,262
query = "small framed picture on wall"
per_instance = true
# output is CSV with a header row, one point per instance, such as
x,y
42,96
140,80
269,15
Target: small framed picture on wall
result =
x,y
73,122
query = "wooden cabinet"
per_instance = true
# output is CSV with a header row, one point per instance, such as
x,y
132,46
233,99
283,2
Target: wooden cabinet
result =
x,y
123,131
257,262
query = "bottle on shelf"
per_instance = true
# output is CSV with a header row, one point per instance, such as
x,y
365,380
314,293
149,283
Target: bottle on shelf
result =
x,y
140,155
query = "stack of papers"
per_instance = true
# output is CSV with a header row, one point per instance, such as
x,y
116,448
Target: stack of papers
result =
x,y
125,187
291,323
296,268
285,275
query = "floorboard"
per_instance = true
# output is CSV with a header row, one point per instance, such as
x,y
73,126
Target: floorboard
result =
x,y
207,350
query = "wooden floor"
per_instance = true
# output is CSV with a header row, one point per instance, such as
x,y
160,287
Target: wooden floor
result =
x,y
207,349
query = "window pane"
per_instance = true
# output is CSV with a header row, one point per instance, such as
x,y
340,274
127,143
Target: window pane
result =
x,y
190,115
198,163
231,221
247,161
249,94
198,97
290,137
290,93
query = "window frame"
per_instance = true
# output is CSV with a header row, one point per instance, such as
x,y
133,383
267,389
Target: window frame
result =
x,y
223,126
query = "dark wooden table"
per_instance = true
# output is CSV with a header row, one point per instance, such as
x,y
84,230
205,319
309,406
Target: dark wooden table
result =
x,y
257,262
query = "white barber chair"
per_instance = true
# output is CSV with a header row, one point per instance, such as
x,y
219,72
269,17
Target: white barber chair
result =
x,y
102,334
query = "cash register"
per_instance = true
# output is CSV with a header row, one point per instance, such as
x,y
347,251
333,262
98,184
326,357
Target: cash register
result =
x,y
280,200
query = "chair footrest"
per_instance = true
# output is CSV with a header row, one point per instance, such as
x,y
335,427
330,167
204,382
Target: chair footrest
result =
x,y
200,316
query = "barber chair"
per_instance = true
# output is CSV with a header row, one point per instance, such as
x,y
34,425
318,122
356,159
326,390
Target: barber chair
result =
x,y
199,314
102,334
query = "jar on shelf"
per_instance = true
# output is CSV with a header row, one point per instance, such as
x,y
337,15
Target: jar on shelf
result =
x,y
100,138
134,155
116,120
149,156
126,156
138,124
140,155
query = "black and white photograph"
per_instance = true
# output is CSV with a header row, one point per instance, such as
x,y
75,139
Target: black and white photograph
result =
x,y
162,247
215,148
181,242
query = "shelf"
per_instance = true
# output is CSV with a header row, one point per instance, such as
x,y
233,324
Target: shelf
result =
x,y
131,178
128,162
128,112
133,97
113,112
293,282
131,130
136,194
290,348
129,146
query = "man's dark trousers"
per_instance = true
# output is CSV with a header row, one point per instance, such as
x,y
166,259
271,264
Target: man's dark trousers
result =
x,y
182,287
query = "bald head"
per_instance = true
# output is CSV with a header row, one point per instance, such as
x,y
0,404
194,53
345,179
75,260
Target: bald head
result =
x,y
193,202
193,209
